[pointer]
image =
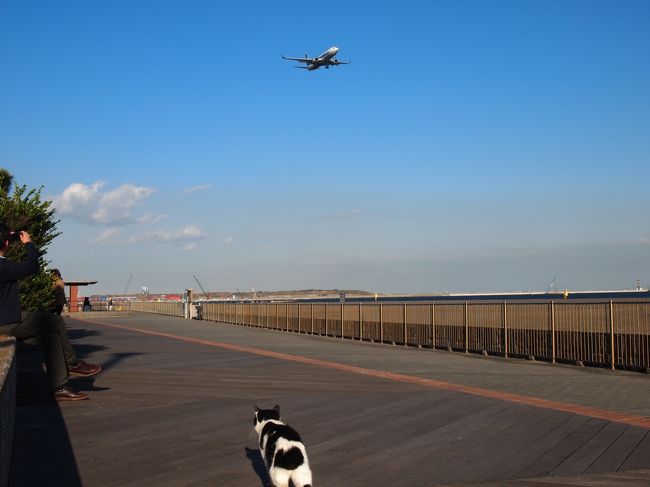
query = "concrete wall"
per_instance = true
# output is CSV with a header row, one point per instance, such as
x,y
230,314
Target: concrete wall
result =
x,y
7,404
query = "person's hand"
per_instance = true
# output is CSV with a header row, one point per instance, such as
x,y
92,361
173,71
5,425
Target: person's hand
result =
x,y
24,237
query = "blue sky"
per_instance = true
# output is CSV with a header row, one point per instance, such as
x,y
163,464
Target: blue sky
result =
x,y
471,146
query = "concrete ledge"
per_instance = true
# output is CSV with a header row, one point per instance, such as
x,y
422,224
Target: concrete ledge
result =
x,y
7,404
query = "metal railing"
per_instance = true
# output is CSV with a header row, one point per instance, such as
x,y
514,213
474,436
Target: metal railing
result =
x,y
96,305
614,334
167,308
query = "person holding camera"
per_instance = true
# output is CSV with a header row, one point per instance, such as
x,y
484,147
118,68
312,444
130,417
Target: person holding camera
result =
x,y
45,329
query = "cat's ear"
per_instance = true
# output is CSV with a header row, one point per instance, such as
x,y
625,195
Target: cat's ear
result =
x,y
276,408
256,409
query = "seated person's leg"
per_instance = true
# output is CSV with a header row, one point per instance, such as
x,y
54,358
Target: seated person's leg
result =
x,y
37,323
48,330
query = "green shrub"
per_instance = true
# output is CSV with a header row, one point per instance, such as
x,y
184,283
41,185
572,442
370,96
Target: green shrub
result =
x,y
23,209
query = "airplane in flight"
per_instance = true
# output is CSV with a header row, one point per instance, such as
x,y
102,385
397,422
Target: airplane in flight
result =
x,y
326,59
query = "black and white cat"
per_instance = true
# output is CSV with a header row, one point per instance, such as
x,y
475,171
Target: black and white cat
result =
x,y
282,449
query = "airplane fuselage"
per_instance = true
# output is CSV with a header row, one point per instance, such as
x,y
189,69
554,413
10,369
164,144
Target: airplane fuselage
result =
x,y
323,59
327,59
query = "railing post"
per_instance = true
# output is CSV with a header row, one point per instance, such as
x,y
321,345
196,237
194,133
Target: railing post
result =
x,y
298,317
404,321
381,322
326,318
342,311
360,324
466,331
505,329
286,313
552,332
433,325
312,318
611,335
275,325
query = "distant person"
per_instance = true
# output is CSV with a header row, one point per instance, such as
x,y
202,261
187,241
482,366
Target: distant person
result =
x,y
45,329
110,304
59,292
87,306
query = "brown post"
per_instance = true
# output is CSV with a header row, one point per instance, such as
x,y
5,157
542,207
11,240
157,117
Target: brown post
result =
x,y
611,335
552,332
381,323
360,324
433,325
326,319
466,331
74,298
404,321
298,317
312,318
342,312
286,312
505,328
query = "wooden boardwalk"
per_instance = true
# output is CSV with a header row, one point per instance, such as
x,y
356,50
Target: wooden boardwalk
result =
x,y
174,408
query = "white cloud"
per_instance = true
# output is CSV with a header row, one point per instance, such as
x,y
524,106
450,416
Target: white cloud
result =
x,y
90,204
149,218
186,235
107,235
198,187
228,240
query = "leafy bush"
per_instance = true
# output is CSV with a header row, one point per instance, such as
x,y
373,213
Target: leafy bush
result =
x,y
23,209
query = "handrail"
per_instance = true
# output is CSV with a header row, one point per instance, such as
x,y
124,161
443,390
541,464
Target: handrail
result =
x,y
603,333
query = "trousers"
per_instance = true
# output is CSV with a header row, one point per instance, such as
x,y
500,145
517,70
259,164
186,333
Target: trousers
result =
x,y
48,331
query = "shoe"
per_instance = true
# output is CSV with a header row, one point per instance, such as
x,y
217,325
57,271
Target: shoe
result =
x,y
83,369
67,393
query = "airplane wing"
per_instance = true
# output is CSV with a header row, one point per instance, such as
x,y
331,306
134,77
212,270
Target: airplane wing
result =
x,y
307,60
336,62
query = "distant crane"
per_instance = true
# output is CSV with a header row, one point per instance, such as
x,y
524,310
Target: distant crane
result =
x,y
204,291
128,283
551,287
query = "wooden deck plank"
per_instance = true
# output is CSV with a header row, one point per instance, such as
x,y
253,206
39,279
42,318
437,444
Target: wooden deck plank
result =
x,y
484,453
171,413
533,449
617,453
580,460
639,478
421,441
639,457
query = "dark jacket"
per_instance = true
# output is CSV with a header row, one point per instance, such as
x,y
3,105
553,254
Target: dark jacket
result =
x,y
10,273
59,293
